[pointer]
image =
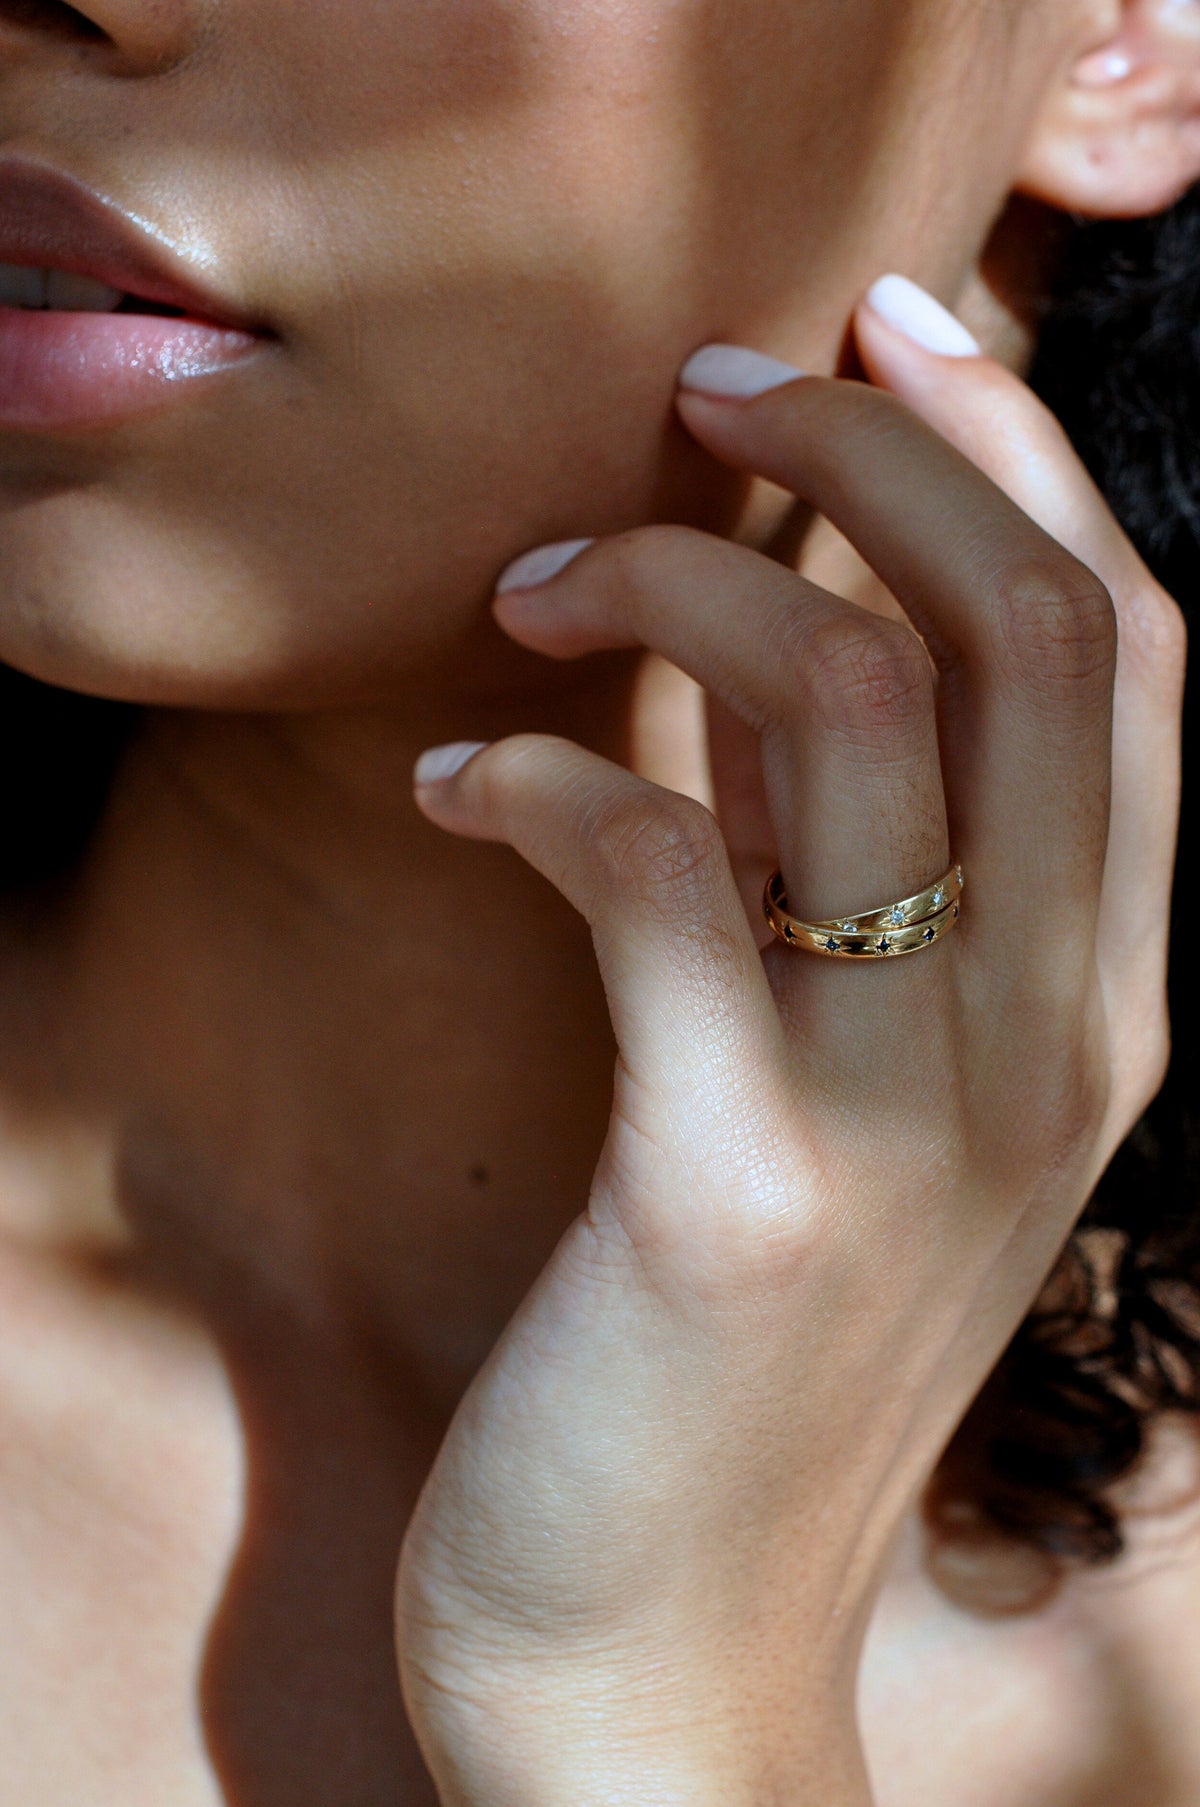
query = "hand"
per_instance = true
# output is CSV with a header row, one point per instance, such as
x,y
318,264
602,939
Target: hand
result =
x,y
642,1566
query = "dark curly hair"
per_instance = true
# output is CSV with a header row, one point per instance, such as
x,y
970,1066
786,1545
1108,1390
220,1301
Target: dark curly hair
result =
x,y
1115,1338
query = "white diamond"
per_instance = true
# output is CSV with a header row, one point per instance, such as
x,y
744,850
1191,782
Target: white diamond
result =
x,y
897,915
939,898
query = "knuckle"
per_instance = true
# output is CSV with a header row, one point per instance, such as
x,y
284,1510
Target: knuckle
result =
x,y
1146,1058
659,852
1061,1106
502,772
645,557
1153,635
1156,1060
864,677
859,416
1056,626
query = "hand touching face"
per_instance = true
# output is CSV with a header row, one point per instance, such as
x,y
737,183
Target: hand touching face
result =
x,y
831,1188
478,241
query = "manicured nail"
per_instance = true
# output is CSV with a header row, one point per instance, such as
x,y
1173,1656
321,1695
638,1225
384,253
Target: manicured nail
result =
x,y
914,312
734,371
540,565
441,763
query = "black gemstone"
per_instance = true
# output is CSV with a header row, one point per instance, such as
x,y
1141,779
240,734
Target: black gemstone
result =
x,y
885,946
833,946
931,934
789,933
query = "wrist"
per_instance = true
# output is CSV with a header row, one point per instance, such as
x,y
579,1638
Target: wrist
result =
x,y
599,1746
603,1777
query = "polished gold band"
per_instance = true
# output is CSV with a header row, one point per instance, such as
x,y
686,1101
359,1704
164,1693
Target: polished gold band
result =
x,y
893,929
929,902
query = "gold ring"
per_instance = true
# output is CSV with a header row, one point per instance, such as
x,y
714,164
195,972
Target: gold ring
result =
x,y
926,903
872,934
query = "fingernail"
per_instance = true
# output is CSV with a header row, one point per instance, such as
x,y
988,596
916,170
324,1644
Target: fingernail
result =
x,y
914,312
734,371
440,763
540,565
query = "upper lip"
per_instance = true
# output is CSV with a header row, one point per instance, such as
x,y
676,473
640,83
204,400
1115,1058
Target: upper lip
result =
x,y
48,220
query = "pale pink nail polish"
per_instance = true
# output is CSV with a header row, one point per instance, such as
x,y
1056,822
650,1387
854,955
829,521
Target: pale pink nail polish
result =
x,y
441,763
914,312
734,372
540,565
1104,69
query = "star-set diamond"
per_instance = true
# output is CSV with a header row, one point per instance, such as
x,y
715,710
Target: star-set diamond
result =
x,y
892,929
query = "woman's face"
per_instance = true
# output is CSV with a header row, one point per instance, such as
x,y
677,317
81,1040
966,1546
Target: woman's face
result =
x,y
480,237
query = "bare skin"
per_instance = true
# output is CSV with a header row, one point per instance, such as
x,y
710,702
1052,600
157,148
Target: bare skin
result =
x,y
288,1133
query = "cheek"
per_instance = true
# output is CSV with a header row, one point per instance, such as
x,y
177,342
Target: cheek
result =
x,y
496,292
285,549
489,234
633,148
562,184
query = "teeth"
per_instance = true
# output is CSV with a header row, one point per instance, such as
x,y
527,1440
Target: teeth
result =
x,y
21,287
80,294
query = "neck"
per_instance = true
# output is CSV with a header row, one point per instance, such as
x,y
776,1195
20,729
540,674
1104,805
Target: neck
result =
x,y
280,1023
281,1029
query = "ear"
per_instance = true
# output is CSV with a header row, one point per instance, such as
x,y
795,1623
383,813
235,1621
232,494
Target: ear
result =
x,y
1119,135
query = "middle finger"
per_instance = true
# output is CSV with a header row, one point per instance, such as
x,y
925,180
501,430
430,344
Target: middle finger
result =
x,y
843,700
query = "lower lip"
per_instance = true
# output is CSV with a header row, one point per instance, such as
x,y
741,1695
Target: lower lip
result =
x,y
81,370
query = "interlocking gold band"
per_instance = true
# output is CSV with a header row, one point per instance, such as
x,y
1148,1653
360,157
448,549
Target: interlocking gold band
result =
x,y
910,909
873,934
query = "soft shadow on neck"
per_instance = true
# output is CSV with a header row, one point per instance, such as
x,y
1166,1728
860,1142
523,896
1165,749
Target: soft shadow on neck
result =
x,y
328,1085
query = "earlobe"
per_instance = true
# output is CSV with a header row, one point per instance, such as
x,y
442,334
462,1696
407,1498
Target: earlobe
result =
x,y
1119,136
1103,68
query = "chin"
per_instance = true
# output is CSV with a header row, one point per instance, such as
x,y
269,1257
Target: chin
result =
x,y
140,607
247,583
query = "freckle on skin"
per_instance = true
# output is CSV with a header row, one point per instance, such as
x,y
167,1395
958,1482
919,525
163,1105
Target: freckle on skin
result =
x,y
479,1175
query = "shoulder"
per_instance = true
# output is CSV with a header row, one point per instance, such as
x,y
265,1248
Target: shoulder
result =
x,y
1009,1693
